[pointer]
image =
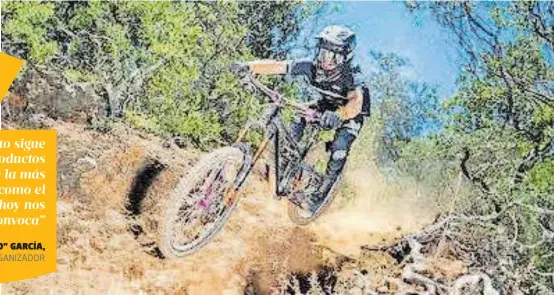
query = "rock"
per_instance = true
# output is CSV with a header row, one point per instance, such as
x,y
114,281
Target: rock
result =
x,y
356,291
63,208
383,289
38,119
361,281
180,141
250,290
115,217
86,163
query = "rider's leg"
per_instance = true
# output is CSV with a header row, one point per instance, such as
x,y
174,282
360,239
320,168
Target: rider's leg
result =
x,y
340,148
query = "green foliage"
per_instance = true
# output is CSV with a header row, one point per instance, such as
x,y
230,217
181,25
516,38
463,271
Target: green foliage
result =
x,y
541,177
499,131
274,24
26,26
163,66
402,111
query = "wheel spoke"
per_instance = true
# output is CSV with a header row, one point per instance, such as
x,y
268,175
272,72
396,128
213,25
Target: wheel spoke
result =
x,y
204,205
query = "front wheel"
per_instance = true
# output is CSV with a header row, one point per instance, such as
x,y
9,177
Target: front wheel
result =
x,y
202,202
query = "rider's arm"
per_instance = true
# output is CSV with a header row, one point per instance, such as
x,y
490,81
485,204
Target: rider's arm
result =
x,y
274,67
354,105
268,67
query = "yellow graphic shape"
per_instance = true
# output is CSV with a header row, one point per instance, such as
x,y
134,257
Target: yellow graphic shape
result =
x,y
9,67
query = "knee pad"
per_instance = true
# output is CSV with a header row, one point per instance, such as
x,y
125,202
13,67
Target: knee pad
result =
x,y
339,155
353,128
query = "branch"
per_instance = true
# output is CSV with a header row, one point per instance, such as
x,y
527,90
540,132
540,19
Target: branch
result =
x,y
537,209
473,281
144,72
467,10
411,271
139,76
532,159
539,27
475,180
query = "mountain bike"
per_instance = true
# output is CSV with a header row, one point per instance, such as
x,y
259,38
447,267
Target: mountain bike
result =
x,y
205,197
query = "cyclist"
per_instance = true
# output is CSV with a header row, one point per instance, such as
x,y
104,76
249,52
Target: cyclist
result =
x,y
342,105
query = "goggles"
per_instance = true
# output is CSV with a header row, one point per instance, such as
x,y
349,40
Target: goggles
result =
x,y
329,59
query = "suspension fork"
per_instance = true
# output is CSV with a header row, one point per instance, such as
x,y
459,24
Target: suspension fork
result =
x,y
276,158
260,149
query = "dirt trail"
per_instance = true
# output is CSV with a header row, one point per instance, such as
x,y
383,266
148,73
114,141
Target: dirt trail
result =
x,y
379,211
111,186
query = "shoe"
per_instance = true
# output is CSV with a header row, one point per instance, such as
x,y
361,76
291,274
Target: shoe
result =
x,y
313,202
306,201
312,198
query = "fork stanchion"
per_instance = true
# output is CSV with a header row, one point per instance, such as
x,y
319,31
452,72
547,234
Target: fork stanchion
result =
x,y
260,150
242,133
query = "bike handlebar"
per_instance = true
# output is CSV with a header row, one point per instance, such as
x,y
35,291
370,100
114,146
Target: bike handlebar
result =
x,y
274,95
278,99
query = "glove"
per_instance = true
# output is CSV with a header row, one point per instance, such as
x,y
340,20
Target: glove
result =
x,y
239,68
330,120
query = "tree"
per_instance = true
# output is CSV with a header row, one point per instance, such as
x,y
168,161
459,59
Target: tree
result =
x,y
499,128
163,66
274,25
403,111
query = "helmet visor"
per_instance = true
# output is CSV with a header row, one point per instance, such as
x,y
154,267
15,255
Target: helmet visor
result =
x,y
329,60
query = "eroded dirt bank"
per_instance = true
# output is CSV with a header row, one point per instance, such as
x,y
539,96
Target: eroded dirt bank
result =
x,y
110,189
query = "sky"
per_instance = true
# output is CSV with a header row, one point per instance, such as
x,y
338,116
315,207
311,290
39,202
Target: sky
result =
x,y
390,27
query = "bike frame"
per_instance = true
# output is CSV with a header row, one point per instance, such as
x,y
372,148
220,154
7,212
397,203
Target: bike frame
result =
x,y
274,128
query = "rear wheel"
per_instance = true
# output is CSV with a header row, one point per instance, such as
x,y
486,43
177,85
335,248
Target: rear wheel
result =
x,y
201,203
301,216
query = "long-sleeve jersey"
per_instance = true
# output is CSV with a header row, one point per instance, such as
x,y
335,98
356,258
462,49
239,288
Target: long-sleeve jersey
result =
x,y
335,91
